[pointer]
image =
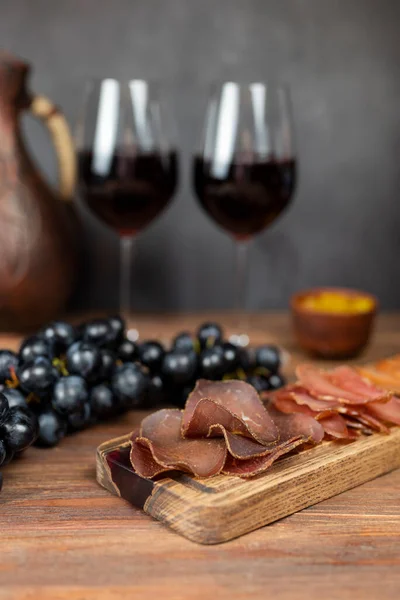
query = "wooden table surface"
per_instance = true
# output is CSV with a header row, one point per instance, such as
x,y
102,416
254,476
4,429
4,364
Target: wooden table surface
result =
x,y
62,536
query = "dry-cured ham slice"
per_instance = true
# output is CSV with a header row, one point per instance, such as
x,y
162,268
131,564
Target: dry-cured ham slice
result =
x,y
363,416
318,384
335,426
333,423
296,426
303,397
389,412
383,379
240,400
160,447
287,404
357,426
348,379
389,365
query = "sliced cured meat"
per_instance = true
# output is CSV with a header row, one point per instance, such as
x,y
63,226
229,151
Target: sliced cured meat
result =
x,y
389,412
389,365
318,384
332,423
287,404
363,416
242,447
213,420
256,466
160,447
296,430
357,426
348,379
384,380
303,397
294,426
335,426
204,414
240,400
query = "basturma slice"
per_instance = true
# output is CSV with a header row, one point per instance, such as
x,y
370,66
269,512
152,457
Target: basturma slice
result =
x,y
295,429
160,447
257,465
243,412
213,420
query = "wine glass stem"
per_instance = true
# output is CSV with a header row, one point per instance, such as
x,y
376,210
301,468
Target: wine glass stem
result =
x,y
240,283
127,244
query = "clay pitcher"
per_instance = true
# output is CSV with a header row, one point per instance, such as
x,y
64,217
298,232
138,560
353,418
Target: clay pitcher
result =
x,y
37,246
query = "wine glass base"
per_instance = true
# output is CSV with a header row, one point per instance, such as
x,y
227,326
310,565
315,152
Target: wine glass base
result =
x,y
132,335
241,340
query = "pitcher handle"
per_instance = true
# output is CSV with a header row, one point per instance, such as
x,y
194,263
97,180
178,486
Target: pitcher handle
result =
x,y
52,117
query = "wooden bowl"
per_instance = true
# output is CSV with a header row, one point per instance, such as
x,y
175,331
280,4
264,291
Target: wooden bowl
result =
x,y
332,335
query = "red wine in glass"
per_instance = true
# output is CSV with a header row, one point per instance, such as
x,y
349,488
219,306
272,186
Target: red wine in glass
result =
x,y
127,163
249,197
133,191
244,171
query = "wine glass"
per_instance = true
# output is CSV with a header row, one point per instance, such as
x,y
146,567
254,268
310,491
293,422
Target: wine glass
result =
x,y
244,174
127,162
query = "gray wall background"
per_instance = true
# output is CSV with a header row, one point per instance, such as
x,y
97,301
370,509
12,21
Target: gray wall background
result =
x,y
341,58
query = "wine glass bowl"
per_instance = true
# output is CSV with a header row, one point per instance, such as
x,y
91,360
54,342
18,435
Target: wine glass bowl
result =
x,y
135,189
249,198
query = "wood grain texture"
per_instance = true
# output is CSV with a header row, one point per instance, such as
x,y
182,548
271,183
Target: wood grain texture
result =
x,y
63,536
218,509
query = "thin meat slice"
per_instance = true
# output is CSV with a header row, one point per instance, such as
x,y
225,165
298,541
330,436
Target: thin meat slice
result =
x,y
288,405
256,466
242,447
363,416
294,426
302,397
240,400
205,414
296,430
357,426
384,380
318,384
333,423
160,447
348,379
213,420
335,426
389,365
389,412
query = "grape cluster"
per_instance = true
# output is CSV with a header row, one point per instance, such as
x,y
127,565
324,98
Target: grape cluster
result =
x,y
66,378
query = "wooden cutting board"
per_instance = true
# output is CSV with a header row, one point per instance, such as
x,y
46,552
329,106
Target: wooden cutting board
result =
x,y
214,510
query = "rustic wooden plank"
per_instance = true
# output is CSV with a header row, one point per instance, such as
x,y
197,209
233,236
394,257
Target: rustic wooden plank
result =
x,y
64,537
